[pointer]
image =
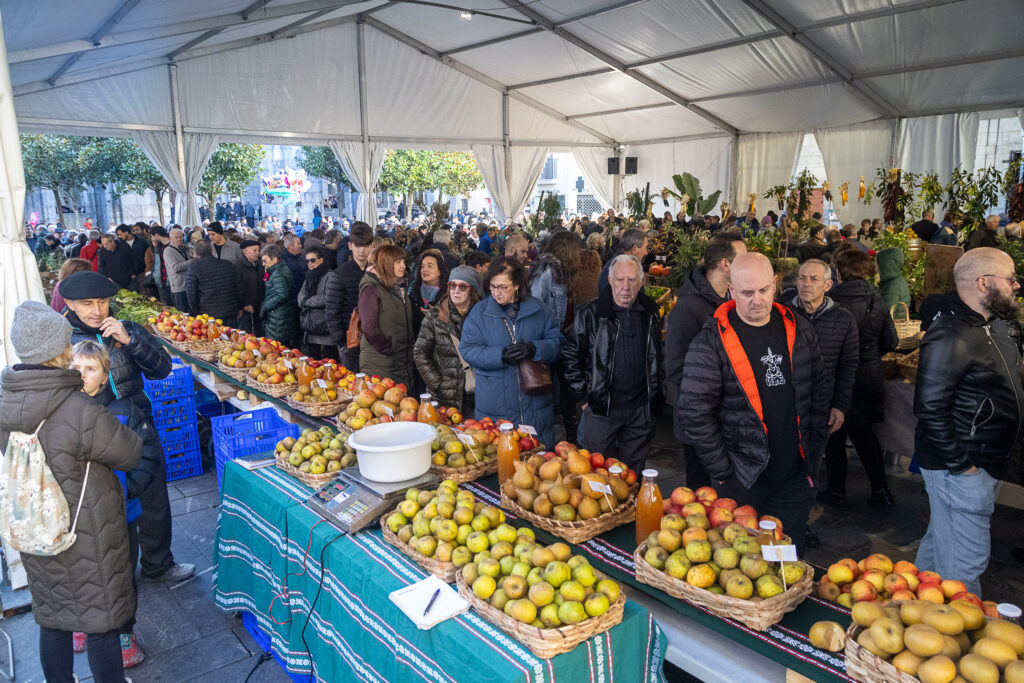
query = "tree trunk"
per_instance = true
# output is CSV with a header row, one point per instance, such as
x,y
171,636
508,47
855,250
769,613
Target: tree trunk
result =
x,y
160,206
60,210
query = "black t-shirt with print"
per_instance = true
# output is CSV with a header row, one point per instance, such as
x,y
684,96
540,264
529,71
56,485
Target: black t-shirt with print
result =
x,y
768,354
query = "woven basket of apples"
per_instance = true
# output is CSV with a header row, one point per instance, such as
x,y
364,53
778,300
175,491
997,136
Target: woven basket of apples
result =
x,y
246,351
562,492
328,392
469,452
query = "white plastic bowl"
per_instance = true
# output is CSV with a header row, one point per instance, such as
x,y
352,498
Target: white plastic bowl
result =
x,y
393,451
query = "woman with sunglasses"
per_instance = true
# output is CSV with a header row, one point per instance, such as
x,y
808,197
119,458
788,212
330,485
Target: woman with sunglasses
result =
x,y
385,317
316,337
436,351
507,327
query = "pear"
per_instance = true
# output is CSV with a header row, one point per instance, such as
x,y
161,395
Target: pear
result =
x,y
550,470
578,464
542,505
525,498
564,513
589,508
558,494
523,478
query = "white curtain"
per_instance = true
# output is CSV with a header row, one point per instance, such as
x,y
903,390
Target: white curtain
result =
x,y
1020,117
19,276
510,186
938,144
593,163
765,160
162,149
362,166
850,152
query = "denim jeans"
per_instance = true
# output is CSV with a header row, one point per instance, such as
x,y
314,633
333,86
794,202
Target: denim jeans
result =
x,y
957,542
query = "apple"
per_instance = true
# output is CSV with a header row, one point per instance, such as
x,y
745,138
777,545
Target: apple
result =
x,y
693,508
912,581
878,561
951,588
893,583
903,595
681,495
931,592
852,564
876,578
862,590
903,566
707,493
720,516
990,609
929,577
967,597
676,510
726,503
839,574
596,460
665,505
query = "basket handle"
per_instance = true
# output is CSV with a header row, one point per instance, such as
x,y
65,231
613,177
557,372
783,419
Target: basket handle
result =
x,y
906,310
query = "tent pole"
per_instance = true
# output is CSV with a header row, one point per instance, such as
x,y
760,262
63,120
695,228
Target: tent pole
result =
x,y
617,183
178,139
371,201
507,144
894,141
734,170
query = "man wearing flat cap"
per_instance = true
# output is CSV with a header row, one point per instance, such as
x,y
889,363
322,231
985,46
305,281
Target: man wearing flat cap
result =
x,y
133,353
250,273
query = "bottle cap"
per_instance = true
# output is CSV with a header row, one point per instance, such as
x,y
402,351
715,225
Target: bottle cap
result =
x,y
650,474
506,427
615,470
1008,610
424,397
767,525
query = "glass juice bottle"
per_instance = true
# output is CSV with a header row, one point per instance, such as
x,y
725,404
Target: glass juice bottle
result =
x,y
508,453
427,412
648,506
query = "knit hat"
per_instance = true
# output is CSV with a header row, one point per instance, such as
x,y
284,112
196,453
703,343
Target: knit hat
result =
x,y
465,274
38,332
216,227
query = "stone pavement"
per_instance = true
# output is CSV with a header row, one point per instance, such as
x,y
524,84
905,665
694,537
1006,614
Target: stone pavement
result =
x,y
187,638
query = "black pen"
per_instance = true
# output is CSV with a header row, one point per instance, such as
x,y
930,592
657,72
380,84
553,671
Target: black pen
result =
x,y
431,603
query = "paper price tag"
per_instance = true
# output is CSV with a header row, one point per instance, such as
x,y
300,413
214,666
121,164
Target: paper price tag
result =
x,y
660,258
287,363
465,438
527,429
779,553
598,486
322,384
256,352
224,336
390,413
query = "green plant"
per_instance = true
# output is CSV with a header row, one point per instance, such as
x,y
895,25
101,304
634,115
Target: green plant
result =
x,y
778,193
913,271
802,188
765,242
930,194
982,194
639,203
689,250
50,261
231,168
436,215
689,193
1013,190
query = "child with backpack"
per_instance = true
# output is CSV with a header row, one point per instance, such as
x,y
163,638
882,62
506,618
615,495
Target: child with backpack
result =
x,y
61,447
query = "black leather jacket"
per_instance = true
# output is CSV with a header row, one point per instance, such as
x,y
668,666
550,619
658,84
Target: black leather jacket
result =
x,y
588,353
968,399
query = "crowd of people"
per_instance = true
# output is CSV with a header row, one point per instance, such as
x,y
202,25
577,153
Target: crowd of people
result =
x,y
767,371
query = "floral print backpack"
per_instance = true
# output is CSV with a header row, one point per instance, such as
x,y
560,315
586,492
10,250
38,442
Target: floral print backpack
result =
x,y
34,514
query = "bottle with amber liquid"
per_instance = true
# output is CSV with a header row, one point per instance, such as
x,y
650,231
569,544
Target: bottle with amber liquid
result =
x,y
508,453
648,506
304,374
766,533
427,413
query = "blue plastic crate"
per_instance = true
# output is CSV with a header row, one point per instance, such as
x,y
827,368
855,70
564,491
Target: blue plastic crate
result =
x,y
179,438
250,433
178,383
171,412
208,405
181,465
250,624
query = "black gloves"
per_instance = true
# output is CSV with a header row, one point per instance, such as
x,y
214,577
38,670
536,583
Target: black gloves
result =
x,y
513,353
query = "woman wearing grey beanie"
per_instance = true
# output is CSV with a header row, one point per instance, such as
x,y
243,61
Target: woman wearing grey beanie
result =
x,y
88,587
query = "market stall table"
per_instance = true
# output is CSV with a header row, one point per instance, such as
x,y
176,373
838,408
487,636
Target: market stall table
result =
x,y
270,553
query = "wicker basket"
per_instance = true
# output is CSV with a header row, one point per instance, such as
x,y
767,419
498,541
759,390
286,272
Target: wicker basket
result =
x,y
755,613
545,642
313,480
906,329
862,665
239,374
890,365
326,409
579,531
460,475
208,350
445,571
908,365
275,390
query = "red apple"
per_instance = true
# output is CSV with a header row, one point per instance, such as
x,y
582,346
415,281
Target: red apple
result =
x,y
665,505
707,493
904,594
929,577
676,510
990,609
745,511
727,503
694,508
681,495
967,597
596,460
951,588
720,516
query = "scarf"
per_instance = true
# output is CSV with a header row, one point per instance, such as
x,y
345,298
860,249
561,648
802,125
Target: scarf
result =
x,y
314,276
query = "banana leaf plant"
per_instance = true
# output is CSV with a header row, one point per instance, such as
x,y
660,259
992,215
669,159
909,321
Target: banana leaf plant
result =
x,y
688,193
639,204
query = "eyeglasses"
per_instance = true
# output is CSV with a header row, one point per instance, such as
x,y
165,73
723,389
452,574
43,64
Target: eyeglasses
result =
x,y
1012,279
500,289
458,286
312,260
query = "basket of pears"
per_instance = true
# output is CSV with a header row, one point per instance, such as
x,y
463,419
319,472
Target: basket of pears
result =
x,y
316,456
463,455
561,494
722,570
442,529
543,596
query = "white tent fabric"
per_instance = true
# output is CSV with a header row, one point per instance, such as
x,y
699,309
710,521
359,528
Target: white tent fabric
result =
x,y
938,144
850,152
593,162
362,165
162,149
510,184
709,160
765,160
19,275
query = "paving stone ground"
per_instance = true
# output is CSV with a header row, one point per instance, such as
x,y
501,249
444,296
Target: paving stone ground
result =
x,y
187,638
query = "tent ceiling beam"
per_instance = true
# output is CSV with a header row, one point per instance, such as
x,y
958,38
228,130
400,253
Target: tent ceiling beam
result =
x,y
943,63
253,8
623,110
822,55
115,18
274,35
174,29
530,32
37,121
171,56
425,49
767,90
681,138
572,38
455,8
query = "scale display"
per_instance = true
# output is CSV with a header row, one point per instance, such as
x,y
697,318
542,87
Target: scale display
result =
x,y
352,503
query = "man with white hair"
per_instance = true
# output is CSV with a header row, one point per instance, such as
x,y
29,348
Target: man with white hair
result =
x,y
442,242
984,235
175,259
968,402
614,365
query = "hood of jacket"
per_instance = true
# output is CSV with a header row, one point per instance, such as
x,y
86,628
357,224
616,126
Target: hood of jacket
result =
x,y
798,306
853,288
544,263
49,387
890,263
696,284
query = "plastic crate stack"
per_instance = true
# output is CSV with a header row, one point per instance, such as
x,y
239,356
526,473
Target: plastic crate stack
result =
x,y
243,434
174,416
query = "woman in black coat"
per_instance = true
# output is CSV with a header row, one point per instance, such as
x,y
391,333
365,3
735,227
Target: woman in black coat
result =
x,y
877,336
430,286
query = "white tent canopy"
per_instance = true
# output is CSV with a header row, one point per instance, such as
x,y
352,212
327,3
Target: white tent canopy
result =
x,y
562,74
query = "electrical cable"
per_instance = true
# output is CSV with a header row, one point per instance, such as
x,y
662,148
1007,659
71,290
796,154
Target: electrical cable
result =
x,y
312,606
264,657
305,556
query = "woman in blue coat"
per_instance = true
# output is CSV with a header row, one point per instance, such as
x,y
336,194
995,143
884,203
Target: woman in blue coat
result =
x,y
487,345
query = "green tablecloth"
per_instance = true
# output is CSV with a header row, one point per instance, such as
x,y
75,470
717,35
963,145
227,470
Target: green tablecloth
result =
x,y
268,552
785,642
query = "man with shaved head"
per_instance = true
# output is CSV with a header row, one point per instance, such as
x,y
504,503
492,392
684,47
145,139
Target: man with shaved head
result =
x,y
968,402
754,400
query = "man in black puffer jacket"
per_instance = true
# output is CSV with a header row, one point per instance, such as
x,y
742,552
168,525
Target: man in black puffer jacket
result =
x,y
754,399
968,402
704,290
213,285
343,292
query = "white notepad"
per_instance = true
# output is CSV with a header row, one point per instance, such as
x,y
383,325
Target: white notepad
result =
x,y
413,599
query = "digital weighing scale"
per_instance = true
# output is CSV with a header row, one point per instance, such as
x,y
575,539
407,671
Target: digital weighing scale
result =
x,y
352,502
